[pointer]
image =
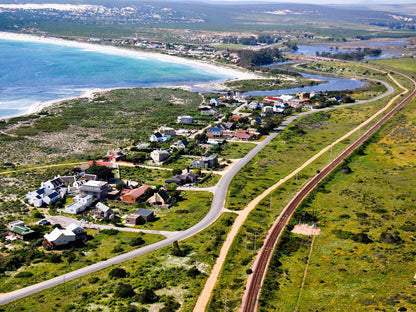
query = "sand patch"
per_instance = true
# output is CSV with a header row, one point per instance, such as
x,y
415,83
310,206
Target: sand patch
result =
x,y
306,229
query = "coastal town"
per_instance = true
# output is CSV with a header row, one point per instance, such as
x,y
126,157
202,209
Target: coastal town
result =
x,y
207,157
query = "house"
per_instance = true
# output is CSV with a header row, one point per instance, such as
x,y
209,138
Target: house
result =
x,y
181,179
19,230
78,230
141,216
206,162
185,120
59,237
156,137
214,102
147,215
254,105
244,135
167,131
267,109
53,184
214,132
133,219
98,189
159,156
180,144
79,205
132,196
43,196
161,199
115,156
102,211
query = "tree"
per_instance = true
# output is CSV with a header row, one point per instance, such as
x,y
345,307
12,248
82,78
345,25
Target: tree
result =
x,y
148,296
170,305
103,173
136,241
201,138
176,171
117,273
124,291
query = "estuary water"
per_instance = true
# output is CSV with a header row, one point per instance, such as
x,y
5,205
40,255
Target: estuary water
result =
x,y
38,72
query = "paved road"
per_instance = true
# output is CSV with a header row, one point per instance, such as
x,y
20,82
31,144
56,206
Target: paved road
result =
x,y
217,207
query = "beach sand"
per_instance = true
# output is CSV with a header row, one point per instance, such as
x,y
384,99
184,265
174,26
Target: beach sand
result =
x,y
234,73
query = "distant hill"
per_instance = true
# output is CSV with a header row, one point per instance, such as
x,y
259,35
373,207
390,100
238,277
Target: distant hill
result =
x,y
211,16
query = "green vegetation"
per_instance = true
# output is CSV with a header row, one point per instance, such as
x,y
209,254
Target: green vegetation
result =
x,y
157,279
350,273
293,249
85,129
25,265
269,84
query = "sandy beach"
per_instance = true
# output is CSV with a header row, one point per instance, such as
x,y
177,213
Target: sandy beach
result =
x,y
230,73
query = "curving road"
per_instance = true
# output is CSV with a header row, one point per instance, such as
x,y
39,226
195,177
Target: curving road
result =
x,y
215,212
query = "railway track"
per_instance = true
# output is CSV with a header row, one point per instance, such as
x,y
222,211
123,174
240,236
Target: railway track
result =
x,y
255,284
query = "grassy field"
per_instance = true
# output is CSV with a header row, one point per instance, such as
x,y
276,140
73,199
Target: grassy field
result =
x,y
41,266
294,249
363,260
270,84
180,277
86,129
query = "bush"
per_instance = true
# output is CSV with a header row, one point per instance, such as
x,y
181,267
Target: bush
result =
x,y
110,232
93,279
170,305
23,274
55,258
148,296
136,241
192,272
124,291
117,273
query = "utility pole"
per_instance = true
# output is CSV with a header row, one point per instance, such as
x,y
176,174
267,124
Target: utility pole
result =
x,y
225,306
246,243
255,236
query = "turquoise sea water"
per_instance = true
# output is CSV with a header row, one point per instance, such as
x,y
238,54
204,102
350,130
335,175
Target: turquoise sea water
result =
x,y
32,72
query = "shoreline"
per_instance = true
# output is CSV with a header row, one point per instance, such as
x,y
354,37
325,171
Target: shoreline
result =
x,y
230,73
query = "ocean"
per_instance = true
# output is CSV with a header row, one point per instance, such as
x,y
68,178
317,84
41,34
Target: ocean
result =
x,y
38,72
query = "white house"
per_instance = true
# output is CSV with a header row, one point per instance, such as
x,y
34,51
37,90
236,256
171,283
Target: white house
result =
x,y
42,196
159,155
53,184
214,102
79,205
59,237
157,137
75,228
102,211
185,119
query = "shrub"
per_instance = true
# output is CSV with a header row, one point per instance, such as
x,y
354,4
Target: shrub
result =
x,y
148,296
117,273
170,305
93,279
23,274
136,241
192,272
110,232
55,258
124,291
